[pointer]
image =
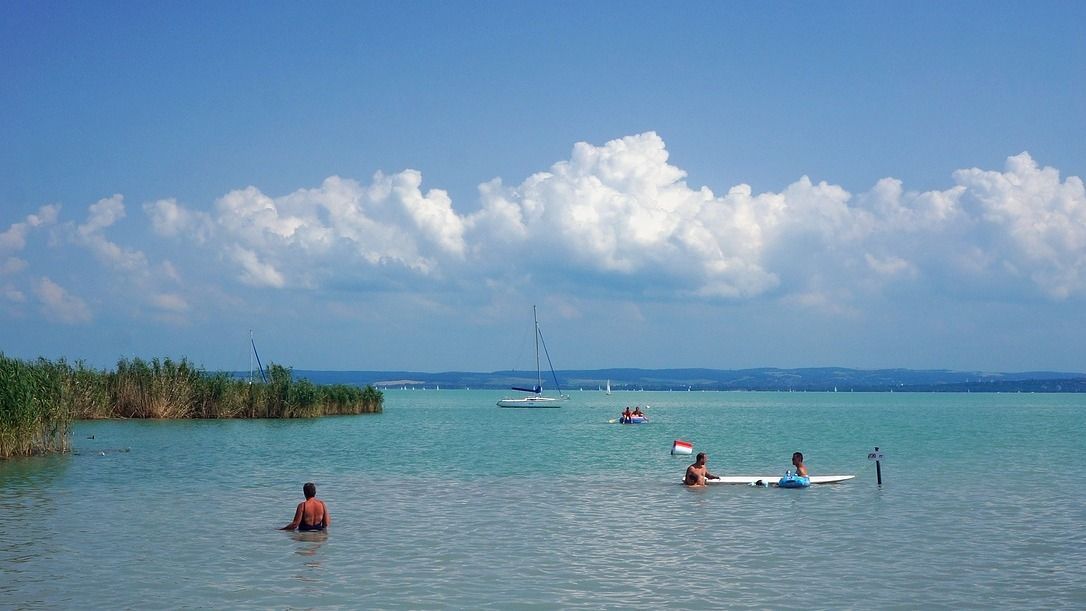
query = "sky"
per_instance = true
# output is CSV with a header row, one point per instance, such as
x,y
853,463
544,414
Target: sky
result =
x,y
394,185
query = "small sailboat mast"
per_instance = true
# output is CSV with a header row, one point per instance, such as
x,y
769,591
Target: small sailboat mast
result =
x,y
254,353
538,376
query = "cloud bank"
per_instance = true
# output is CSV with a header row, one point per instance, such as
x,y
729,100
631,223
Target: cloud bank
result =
x,y
614,219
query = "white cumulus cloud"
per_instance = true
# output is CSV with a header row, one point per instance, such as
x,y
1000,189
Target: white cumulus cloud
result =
x,y
14,237
58,304
103,215
1033,223
619,219
254,271
170,219
621,211
342,229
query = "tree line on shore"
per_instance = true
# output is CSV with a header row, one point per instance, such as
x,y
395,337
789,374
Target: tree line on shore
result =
x,y
39,399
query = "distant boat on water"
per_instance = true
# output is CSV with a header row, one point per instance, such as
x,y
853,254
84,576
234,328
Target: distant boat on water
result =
x,y
608,391
537,399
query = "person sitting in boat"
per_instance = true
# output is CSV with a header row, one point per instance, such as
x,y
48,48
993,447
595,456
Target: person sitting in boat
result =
x,y
626,415
637,411
698,473
797,462
312,513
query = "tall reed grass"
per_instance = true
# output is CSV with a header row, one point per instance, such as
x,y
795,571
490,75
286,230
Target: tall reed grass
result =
x,y
35,413
39,399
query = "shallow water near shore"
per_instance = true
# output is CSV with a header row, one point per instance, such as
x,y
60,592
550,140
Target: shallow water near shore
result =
x,y
447,501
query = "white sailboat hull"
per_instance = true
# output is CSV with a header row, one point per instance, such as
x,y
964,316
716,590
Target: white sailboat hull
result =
x,y
531,402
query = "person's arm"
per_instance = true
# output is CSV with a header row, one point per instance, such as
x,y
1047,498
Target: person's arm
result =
x,y
710,475
327,518
297,518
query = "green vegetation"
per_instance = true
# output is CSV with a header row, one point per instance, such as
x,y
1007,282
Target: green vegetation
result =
x,y
39,399
35,407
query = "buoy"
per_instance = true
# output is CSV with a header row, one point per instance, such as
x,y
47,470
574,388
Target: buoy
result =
x,y
682,447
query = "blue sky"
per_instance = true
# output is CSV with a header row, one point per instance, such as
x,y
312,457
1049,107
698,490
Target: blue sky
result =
x,y
393,185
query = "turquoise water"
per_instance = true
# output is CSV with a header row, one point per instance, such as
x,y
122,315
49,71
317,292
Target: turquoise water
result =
x,y
446,501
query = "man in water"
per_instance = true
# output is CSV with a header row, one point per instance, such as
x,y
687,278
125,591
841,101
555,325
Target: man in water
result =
x,y
697,473
797,462
311,513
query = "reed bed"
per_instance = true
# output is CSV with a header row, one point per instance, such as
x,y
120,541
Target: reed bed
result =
x,y
35,413
39,399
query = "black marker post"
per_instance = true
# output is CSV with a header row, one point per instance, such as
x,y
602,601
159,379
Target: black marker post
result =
x,y
877,456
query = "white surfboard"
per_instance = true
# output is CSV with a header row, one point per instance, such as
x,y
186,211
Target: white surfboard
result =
x,y
771,480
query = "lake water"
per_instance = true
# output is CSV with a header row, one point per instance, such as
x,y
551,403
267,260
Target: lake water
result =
x,y
447,501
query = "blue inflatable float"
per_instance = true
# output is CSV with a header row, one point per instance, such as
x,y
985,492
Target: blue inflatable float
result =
x,y
794,481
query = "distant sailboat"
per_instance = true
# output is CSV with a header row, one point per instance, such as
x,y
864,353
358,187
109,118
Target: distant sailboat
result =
x,y
536,398
608,391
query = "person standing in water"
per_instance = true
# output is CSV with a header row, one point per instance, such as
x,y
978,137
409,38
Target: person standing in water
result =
x,y
797,462
312,513
697,473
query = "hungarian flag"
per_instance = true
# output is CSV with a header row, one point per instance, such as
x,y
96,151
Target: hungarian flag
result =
x,y
682,447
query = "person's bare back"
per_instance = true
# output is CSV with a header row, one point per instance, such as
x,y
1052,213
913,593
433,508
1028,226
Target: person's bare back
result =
x,y
314,512
311,514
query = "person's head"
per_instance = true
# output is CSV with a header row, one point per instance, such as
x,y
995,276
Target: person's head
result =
x,y
797,457
310,490
701,458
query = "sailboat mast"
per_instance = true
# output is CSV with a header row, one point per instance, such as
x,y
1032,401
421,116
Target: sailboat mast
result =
x,y
254,354
538,378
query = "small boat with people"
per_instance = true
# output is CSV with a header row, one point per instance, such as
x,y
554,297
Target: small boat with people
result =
x,y
636,416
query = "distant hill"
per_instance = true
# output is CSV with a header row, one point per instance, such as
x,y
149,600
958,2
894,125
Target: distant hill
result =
x,y
768,378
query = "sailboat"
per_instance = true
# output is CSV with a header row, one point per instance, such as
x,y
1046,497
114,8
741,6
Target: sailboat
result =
x,y
608,391
536,398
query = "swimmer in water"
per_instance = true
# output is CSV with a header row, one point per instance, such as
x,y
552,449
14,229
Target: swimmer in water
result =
x,y
312,513
797,462
698,473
